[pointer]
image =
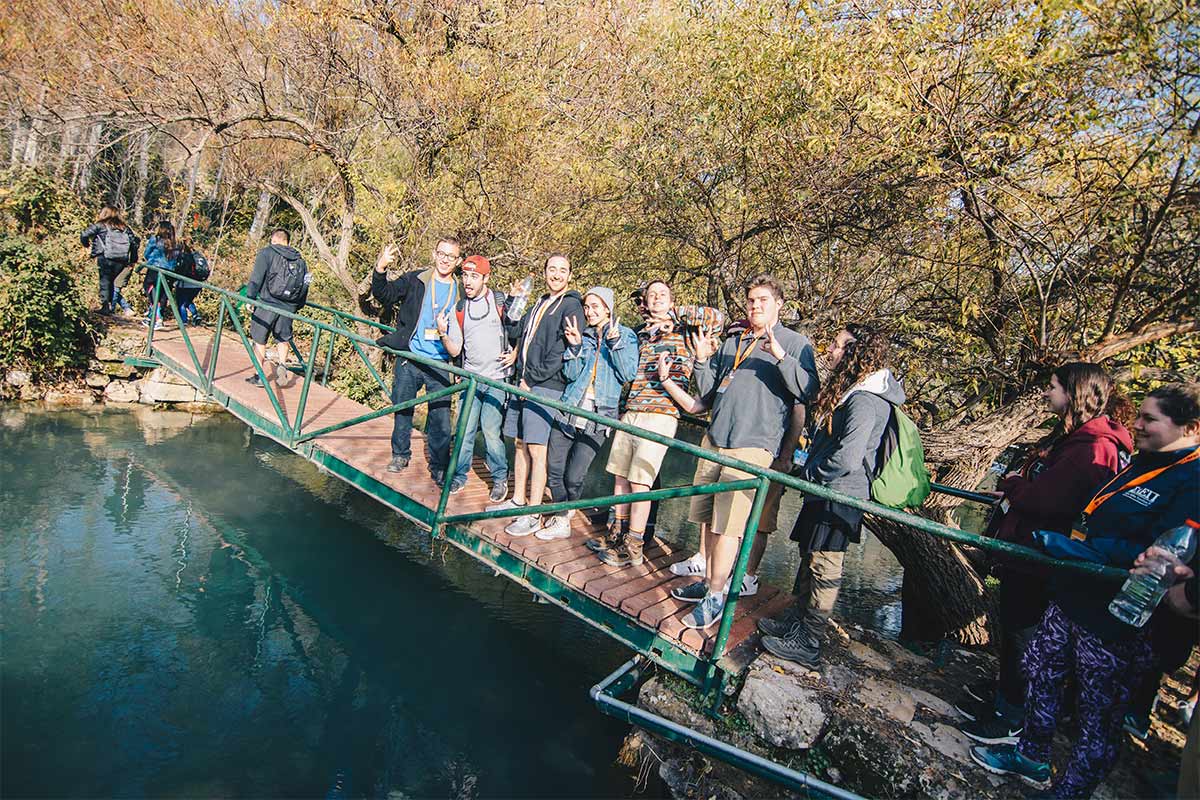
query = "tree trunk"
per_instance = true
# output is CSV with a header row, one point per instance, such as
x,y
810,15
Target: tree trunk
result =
x,y
19,130
66,147
142,179
193,174
83,167
261,214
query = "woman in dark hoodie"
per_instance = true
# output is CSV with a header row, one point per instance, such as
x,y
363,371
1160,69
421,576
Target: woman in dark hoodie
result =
x,y
1085,449
851,414
115,248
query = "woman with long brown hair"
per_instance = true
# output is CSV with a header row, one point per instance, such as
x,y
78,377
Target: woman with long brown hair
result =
x,y
114,246
1084,449
850,416
162,250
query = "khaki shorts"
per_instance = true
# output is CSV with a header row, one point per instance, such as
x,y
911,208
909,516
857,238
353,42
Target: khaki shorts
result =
x,y
727,512
769,521
639,460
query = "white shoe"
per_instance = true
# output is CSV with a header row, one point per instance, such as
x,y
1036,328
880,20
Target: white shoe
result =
x,y
693,567
749,586
559,527
504,505
525,525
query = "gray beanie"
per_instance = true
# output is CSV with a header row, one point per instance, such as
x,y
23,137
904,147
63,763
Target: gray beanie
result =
x,y
606,296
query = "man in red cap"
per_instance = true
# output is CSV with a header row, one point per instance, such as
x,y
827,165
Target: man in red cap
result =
x,y
478,334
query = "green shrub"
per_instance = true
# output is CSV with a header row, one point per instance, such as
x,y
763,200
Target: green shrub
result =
x,y
38,204
42,312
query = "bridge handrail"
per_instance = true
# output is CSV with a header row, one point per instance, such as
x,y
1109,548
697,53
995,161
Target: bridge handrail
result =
x,y
760,475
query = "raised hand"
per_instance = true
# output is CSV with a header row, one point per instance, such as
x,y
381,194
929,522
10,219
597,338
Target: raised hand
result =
x,y
387,256
773,345
571,332
614,330
443,322
703,345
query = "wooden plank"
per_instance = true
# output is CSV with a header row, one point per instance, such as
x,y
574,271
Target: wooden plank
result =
x,y
746,626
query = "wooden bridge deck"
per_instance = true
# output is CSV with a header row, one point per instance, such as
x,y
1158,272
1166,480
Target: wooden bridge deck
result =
x,y
641,593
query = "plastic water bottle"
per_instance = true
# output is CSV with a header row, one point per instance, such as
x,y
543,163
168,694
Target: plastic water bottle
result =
x,y
516,309
1142,592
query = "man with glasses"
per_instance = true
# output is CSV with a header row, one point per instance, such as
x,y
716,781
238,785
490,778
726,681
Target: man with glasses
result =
x,y
421,298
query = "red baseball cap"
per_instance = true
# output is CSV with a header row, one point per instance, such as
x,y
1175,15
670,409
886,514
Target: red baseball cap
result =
x,y
477,264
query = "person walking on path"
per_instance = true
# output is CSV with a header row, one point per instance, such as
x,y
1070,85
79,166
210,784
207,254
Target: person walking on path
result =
x,y
538,361
751,384
162,251
115,248
1078,636
424,301
597,364
478,334
280,279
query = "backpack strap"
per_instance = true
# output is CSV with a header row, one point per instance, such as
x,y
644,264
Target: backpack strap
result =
x,y
460,312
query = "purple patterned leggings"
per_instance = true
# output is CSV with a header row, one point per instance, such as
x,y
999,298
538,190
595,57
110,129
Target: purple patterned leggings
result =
x,y
1105,674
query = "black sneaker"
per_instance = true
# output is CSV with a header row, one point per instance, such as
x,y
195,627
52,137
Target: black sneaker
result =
x,y
692,593
397,464
992,730
797,648
782,624
974,710
981,691
499,491
254,380
457,485
438,477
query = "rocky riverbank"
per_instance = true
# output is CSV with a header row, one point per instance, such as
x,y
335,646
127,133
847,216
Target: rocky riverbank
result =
x,y
108,379
875,718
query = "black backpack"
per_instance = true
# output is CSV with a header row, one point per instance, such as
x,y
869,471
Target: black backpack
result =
x,y
200,267
286,279
116,244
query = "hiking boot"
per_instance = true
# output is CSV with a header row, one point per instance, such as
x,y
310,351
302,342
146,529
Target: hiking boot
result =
x,y
398,464
781,625
1005,760
692,593
438,477
797,647
611,540
992,730
706,613
106,310
557,526
524,525
1138,727
629,553
504,505
981,691
690,567
457,485
499,491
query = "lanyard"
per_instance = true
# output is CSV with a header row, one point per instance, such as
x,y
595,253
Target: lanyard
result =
x,y
530,331
739,356
595,366
451,296
1102,496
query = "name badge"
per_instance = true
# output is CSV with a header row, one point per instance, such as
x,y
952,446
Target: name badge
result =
x,y
728,379
1005,506
432,335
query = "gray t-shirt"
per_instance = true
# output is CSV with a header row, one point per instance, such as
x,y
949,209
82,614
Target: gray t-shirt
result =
x,y
484,336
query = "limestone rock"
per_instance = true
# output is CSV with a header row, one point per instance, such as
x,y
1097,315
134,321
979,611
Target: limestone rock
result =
x,y
888,698
30,392
105,353
70,397
96,380
113,369
865,655
17,377
122,392
946,740
161,386
165,376
780,710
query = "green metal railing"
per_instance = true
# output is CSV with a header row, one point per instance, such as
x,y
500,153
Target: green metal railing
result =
x,y
759,479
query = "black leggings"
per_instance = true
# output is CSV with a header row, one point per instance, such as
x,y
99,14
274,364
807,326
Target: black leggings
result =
x,y
567,460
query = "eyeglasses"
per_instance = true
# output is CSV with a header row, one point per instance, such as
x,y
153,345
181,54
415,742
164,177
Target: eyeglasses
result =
x,y
450,256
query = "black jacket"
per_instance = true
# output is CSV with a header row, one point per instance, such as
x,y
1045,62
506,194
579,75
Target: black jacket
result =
x,y
545,350
93,237
256,287
408,291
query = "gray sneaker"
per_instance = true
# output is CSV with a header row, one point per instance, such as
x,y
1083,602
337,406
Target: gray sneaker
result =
x,y
504,505
499,491
557,527
524,525
457,485
706,613
397,464
692,593
796,648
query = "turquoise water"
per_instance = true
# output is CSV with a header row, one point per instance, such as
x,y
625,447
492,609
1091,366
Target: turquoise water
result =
x,y
189,610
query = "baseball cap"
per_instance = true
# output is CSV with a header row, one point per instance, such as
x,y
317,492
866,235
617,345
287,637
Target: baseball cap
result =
x,y
477,264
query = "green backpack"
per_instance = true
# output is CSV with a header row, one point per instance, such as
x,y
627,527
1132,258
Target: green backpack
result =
x,y
901,479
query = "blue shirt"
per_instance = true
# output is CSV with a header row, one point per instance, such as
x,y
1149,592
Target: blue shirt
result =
x,y
442,300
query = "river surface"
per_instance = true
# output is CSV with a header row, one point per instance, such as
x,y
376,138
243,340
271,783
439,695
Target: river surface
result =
x,y
190,610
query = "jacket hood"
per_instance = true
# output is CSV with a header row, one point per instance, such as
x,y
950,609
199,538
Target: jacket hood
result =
x,y
881,382
1105,427
287,252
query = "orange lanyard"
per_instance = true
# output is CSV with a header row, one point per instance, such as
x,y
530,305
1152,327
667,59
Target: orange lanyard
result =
x,y
538,313
595,366
739,356
1102,496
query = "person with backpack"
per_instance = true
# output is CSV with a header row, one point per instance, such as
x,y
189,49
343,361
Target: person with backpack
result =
x,y
162,251
192,264
478,334
597,364
1083,451
279,278
423,301
1083,659
851,415
115,248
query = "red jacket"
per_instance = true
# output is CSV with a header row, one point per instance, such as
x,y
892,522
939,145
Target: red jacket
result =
x,y
1054,487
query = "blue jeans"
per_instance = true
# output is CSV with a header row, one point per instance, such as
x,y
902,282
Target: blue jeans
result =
x,y
407,379
487,411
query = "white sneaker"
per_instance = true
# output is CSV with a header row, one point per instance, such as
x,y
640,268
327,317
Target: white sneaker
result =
x,y
523,526
749,586
692,567
559,527
504,505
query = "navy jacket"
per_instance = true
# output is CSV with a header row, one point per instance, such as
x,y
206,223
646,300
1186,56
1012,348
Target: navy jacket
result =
x,y
1138,514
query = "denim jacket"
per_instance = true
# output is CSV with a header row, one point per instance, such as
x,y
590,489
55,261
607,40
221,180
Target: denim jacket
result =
x,y
617,366
155,256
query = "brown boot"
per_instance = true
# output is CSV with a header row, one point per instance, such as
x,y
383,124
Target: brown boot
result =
x,y
612,538
629,553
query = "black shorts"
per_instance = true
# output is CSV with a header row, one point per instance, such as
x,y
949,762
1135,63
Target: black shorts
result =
x,y
264,322
826,526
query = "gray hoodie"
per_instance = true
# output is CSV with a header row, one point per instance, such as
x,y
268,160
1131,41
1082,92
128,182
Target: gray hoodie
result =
x,y
843,458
